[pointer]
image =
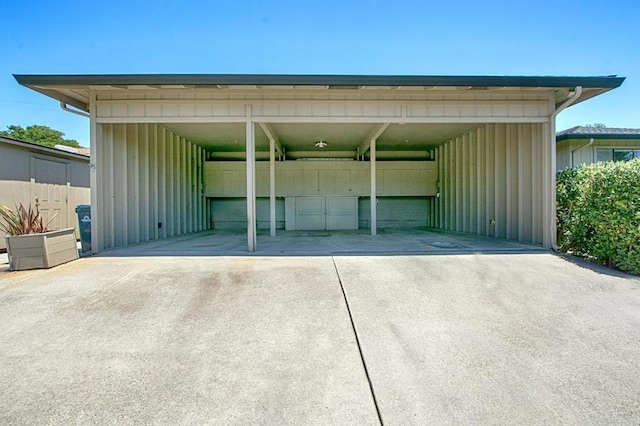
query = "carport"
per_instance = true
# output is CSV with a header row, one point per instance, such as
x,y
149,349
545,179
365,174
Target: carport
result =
x,y
177,154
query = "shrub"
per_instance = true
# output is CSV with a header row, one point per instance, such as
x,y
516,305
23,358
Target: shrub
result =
x,y
22,220
599,213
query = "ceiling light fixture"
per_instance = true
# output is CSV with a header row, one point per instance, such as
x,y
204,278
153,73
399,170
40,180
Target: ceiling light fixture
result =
x,y
321,144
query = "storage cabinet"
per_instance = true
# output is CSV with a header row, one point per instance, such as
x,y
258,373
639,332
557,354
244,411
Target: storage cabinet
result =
x,y
321,213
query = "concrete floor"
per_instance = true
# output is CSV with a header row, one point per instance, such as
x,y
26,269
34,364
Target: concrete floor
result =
x,y
337,243
472,333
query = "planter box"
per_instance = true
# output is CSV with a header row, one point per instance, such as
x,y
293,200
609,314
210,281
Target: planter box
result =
x,y
46,250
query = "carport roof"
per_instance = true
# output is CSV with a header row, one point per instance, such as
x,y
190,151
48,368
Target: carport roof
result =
x,y
73,89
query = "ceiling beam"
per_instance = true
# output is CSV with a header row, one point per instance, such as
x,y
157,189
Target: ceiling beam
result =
x,y
294,155
374,134
271,135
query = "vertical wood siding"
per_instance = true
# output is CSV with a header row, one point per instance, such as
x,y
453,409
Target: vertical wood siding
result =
x,y
493,174
150,184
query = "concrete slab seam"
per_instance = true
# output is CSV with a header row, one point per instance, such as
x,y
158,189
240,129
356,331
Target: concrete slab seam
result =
x,y
355,332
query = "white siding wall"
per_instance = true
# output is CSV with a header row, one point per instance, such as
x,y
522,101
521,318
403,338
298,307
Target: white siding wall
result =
x,y
406,189
150,184
494,173
380,105
345,178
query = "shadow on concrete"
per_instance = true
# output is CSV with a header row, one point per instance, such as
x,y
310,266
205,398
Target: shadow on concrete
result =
x,y
326,243
595,267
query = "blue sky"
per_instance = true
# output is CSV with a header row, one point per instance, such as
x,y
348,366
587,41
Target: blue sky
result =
x,y
539,37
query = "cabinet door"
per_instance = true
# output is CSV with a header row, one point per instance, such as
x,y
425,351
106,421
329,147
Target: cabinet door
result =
x,y
361,182
292,182
343,183
310,213
342,212
327,182
310,182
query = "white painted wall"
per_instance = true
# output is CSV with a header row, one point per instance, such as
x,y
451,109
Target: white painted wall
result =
x,y
316,104
406,190
346,178
494,173
150,184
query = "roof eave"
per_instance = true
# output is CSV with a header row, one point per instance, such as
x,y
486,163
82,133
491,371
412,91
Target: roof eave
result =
x,y
44,148
49,85
609,82
609,136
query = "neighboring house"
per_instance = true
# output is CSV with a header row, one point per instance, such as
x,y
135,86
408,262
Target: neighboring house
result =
x,y
174,154
57,181
586,145
79,150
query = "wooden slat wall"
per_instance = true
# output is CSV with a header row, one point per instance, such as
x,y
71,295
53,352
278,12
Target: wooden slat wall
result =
x,y
150,184
492,174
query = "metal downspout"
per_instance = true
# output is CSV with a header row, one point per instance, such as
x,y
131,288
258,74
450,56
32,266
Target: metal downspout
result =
x,y
577,92
64,106
581,148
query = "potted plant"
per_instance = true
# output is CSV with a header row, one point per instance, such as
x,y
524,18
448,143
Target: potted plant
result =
x,y
30,244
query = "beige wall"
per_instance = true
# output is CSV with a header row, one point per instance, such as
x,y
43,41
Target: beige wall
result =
x,y
494,173
347,178
150,184
315,103
406,190
585,154
60,181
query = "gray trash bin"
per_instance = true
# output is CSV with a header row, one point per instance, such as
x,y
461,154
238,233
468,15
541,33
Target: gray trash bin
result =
x,y
84,224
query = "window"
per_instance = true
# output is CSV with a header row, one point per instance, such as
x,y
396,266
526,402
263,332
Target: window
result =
x,y
611,154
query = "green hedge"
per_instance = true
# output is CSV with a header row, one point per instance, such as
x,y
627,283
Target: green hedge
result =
x,y
599,213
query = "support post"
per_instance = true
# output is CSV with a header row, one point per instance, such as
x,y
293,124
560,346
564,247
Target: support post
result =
x,y
272,187
110,163
93,178
370,144
156,190
274,146
372,163
548,216
136,182
251,180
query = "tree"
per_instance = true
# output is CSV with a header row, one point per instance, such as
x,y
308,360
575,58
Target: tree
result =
x,y
596,126
42,135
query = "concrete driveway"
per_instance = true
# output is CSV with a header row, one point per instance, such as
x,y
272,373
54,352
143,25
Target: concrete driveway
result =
x,y
524,338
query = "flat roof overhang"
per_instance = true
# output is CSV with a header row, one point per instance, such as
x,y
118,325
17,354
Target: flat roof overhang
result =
x,y
74,89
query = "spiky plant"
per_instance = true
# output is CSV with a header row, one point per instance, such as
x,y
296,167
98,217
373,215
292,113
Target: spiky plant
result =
x,y
22,220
